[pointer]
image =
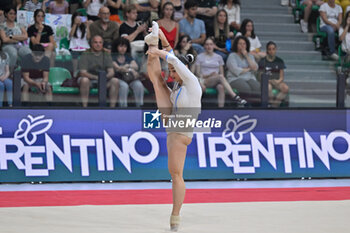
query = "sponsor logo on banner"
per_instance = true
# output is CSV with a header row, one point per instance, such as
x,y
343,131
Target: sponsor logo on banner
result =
x,y
21,149
241,146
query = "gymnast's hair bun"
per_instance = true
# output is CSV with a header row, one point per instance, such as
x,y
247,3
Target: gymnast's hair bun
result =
x,y
190,58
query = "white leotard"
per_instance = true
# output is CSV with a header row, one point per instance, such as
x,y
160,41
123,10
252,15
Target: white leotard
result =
x,y
186,99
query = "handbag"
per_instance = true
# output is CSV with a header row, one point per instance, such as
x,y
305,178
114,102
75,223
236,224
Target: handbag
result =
x,y
128,76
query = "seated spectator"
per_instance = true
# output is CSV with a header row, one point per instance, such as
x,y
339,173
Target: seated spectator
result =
x,y
147,10
206,11
222,34
35,73
210,70
127,72
2,16
331,18
40,33
168,25
93,7
193,27
114,6
74,5
233,9
58,7
241,67
132,30
33,5
184,47
108,30
274,67
90,63
247,30
13,36
344,36
178,7
5,81
307,11
79,36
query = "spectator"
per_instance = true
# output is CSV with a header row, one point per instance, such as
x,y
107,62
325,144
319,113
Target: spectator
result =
x,y
178,7
233,9
247,30
192,26
35,73
108,30
222,34
2,16
79,36
5,81
184,47
274,67
40,33
114,6
344,36
126,71
32,5
13,35
210,70
74,5
307,11
241,66
90,63
206,11
147,9
168,25
331,18
58,7
93,7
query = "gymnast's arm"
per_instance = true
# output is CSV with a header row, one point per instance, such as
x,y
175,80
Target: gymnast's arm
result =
x,y
185,74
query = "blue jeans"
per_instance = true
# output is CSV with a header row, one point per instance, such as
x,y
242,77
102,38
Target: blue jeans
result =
x,y
330,37
6,85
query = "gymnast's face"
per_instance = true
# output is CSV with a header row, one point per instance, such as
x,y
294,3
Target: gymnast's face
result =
x,y
174,74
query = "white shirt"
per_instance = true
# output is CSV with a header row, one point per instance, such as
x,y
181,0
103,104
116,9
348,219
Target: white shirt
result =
x,y
233,14
254,43
331,13
78,43
345,44
94,7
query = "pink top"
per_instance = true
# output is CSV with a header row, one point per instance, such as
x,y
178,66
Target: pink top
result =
x,y
58,9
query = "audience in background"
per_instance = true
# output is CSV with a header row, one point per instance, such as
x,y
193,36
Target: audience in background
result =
x,y
274,67
307,11
13,35
93,8
35,73
193,27
344,36
206,11
32,5
168,25
233,9
331,18
92,61
210,71
240,67
79,37
127,72
108,30
5,81
147,9
40,33
58,7
184,47
222,34
114,6
247,30
74,5
178,7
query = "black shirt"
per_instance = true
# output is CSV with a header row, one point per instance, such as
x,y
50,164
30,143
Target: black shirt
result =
x,y
45,35
35,69
113,10
126,29
208,20
274,67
